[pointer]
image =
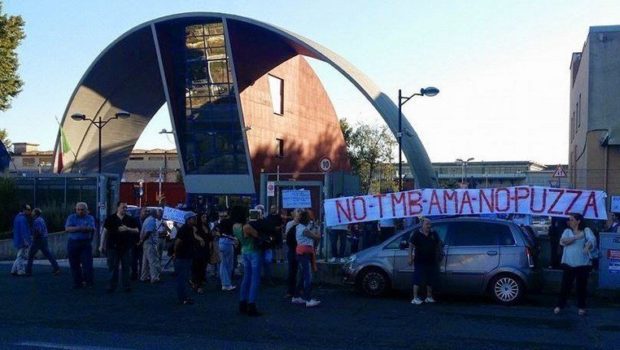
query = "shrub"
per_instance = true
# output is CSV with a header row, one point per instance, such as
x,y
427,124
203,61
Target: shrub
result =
x,y
55,216
9,204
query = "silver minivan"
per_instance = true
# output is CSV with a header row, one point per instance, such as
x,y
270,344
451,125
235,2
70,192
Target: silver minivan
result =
x,y
481,256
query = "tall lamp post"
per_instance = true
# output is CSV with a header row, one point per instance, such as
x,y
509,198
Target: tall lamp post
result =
x,y
430,92
99,124
165,175
463,163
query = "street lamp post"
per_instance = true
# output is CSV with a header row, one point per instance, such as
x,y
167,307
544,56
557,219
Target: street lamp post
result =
x,y
463,165
99,124
430,92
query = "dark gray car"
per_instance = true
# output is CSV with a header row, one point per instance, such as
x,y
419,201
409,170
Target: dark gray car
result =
x,y
482,256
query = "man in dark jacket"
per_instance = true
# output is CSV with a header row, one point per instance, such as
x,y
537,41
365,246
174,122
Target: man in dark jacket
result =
x,y
117,241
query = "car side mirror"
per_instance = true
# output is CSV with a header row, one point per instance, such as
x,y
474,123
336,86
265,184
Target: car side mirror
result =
x,y
403,245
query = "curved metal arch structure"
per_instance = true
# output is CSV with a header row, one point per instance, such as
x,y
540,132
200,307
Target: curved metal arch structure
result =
x,y
131,74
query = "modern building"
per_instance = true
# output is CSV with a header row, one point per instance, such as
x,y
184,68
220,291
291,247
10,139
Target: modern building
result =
x,y
27,158
243,102
149,165
594,136
487,174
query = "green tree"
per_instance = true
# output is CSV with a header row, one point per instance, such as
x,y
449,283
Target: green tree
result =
x,y
4,138
11,34
370,153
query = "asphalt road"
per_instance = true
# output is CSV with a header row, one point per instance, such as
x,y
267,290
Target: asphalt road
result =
x,y
43,312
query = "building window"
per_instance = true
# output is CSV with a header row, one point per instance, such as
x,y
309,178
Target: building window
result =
x,y
136,158
210,133
579,111
279,148
29,162
156,158
276,88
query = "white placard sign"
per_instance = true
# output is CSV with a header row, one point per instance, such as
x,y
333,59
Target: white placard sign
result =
x,y
615,204
175,215
271,188
296,199
531,200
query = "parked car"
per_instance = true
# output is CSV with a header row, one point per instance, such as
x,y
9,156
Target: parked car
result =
x,y
481,256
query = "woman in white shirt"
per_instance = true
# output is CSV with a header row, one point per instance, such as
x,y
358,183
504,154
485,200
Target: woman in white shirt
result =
x,y
306,235
578,241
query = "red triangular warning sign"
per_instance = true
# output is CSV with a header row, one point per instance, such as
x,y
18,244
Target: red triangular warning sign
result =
x,y
559,172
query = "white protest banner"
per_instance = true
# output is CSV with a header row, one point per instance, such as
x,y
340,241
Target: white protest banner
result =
x,y
175,215
532,200
615,204
296,199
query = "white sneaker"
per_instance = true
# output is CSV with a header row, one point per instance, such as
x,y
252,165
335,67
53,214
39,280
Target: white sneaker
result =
x,y
297,301
332,260
429,300
312,303
416,301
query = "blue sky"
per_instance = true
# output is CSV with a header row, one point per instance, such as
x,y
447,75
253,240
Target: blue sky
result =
x,y
502,66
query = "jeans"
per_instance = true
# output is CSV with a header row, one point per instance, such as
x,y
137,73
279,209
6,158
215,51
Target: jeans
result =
x,y
199,271
304,288
40,244
579,273
292,271
151,263
334,237
267,259
21,260
227,250
182,267
136,261
251,277
118,257
80,253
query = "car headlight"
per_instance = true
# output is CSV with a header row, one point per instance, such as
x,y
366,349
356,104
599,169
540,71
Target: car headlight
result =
x,y
350,260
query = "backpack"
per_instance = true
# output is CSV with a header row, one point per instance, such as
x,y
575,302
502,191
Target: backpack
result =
x,y
291,236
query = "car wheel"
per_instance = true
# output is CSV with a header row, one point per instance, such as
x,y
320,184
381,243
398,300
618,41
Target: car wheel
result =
x,y
506,289
374,282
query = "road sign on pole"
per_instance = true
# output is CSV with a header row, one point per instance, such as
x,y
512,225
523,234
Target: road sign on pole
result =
x,y
559,172
325,164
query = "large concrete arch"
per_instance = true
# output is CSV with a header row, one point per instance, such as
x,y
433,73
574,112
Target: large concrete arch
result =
x,y
128,75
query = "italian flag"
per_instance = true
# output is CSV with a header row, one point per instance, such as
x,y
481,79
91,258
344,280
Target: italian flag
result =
x,y
63,147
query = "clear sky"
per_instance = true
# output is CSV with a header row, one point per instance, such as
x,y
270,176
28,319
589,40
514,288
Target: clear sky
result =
x,y
502,66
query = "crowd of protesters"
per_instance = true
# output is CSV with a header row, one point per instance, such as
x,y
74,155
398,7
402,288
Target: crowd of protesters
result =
x,y
137,247
255,240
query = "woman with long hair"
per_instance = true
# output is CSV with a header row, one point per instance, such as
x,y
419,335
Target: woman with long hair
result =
x,y
246,234
184,250
202,237
226,244
305,235
578,241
